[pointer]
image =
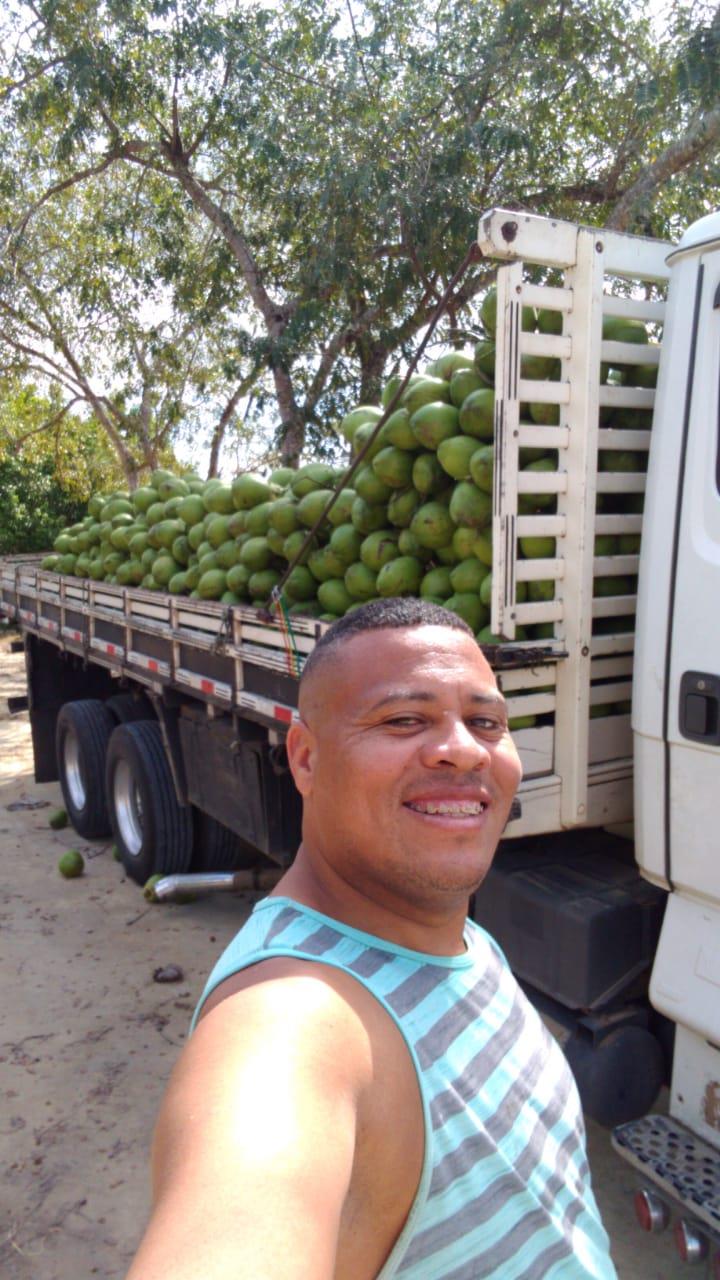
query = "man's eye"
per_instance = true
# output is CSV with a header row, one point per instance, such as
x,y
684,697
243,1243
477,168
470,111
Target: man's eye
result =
x,y
403,722
488,724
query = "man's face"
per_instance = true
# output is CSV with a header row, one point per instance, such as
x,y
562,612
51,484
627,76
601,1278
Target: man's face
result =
x,y
405,763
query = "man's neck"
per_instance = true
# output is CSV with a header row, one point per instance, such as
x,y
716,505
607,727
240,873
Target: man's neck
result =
x,y
434,929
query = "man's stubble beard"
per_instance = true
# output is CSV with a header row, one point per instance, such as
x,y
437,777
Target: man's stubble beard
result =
x,y
408,881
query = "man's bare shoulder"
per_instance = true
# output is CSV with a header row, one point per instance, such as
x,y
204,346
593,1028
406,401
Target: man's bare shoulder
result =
x,y
281,1096
303,1007
319,990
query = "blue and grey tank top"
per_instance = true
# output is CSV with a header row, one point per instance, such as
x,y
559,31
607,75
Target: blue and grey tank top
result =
x,y
505,1187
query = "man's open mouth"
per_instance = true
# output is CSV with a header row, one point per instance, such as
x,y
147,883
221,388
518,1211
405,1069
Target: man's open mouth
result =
x,y
448,808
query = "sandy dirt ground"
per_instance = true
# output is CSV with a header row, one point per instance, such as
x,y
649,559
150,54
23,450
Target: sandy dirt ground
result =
x,y
89,1039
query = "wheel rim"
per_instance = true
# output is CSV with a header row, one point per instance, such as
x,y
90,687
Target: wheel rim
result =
x,y
128,809
73,771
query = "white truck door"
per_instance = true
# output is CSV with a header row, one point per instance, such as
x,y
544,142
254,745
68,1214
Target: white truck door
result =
x,y
692,714
685,668
676,682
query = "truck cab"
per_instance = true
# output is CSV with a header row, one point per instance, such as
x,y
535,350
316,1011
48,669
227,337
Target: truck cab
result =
x,y
589,940
676,732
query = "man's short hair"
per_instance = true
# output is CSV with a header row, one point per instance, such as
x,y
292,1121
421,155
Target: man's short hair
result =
x,y
382,615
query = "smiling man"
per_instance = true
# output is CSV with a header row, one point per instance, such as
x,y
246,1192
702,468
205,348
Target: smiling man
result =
x,y
367,1092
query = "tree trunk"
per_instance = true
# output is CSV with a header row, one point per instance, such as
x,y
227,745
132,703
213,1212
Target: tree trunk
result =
x,y
372,364
292,439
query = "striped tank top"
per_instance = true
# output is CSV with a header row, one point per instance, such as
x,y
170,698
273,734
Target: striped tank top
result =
x,y
505,1191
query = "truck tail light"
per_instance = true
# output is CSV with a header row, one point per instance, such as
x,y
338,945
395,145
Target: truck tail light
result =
x,y
651,1212
691,1245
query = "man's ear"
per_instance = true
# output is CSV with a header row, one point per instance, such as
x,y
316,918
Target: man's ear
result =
x,y
301,753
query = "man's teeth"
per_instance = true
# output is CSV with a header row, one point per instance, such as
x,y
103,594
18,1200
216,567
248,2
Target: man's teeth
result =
x,y
454,808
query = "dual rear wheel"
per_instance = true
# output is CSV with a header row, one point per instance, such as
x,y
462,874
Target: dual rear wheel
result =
x,y
116,780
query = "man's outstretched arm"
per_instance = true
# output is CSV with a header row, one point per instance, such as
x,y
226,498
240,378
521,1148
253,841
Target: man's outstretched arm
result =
x,y
255,1142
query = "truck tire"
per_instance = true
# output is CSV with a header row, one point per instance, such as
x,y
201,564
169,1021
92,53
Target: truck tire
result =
x,y
153,833
81,742
620,1076
126,708
217,848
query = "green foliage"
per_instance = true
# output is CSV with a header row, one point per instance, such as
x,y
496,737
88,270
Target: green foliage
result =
x,y
34,506
47,473
226,209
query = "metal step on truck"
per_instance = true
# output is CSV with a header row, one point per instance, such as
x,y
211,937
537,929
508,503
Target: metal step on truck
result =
x,y
164,717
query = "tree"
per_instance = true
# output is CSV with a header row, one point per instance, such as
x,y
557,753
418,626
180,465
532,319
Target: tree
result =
x,y
107,296
337,156
46,475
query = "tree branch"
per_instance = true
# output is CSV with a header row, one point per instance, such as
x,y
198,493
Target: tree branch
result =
x,y
272,314
242,389
46,426
358,51
90,172
46,367
275,316
211,115
31,76
104,409
699,138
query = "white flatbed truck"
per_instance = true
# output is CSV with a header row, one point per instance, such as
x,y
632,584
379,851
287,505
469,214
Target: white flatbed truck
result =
x,y
164,718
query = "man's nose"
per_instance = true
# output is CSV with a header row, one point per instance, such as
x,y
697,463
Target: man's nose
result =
x,y
453,743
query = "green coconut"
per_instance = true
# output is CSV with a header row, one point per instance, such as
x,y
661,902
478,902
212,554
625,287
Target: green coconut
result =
x,y
300,585
402,507
256,554
219,499
432,525
211,585
477,414
314,475
437,584
283,516
71,864
341,510
281,477
247,491
434,422
482,463
398,432
324,564
428,475
237,578
462,384
366,440
469,607
345,544
360,582
368,517
400,577
369,486
470,506
334,597
379,548
257,519
262,583
227,554
393,467
424,390
484,360
468,575
446,365
454,455
364,413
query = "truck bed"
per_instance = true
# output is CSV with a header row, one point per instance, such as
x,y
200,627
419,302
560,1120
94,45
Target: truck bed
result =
x,y
240,660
